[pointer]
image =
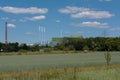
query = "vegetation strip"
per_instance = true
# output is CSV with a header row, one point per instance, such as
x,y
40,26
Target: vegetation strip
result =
x,y
55,73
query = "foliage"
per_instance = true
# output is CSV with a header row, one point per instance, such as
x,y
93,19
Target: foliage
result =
x,y
85,48
16,47
22,52
9,47
47,50
107,58
46,61
94,44
59,46
69,43
68,73
24,47
35,47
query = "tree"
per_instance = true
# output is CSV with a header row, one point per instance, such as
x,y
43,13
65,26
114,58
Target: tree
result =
x,y
24,47
107,58
60,46
35,47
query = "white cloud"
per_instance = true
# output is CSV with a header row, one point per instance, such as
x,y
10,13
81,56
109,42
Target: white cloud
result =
x,y
58,21
30,10
115,29
22,20
105,0
35,18
80,12
92,14
94,24
69,10
11,25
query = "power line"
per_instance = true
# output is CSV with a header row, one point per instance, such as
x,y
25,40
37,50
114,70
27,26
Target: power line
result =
x,y
6,33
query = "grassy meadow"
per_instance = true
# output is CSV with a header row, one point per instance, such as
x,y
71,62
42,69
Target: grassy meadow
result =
x,y
77,73
81,66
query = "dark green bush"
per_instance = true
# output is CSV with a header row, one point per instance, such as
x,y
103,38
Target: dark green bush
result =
x,y
22,52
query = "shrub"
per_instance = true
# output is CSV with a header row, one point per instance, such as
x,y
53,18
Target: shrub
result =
x,y
108,58
48,49
22,52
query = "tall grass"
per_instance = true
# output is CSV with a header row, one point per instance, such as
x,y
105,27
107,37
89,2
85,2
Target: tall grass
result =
x,y
59,67
107,57
76,73
46,61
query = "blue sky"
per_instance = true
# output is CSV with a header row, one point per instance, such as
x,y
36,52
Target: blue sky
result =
x,y
32,21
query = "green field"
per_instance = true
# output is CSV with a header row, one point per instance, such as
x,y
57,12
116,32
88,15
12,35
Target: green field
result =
x,y
46,61
80,66
82,73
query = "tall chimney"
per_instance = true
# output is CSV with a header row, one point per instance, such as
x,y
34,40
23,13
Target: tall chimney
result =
x,y
6,33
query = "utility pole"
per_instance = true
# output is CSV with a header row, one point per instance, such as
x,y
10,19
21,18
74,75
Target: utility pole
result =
x,y
6,33
104,33
61,33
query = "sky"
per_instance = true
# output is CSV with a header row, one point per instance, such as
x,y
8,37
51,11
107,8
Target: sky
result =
x,y
34,21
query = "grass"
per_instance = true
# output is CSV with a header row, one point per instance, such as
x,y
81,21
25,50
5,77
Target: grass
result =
x,y
111,72
46,61
60,67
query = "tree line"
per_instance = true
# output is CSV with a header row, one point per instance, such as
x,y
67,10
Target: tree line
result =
x,y
15,47
92,44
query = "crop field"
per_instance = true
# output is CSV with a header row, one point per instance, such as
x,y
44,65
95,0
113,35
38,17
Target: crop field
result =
x,y
81,66
81,73
46,61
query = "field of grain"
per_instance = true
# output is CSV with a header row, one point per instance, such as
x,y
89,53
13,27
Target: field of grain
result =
x,y
111,72
46,61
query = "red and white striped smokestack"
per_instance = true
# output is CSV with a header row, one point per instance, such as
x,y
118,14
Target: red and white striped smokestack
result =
x,y
6,33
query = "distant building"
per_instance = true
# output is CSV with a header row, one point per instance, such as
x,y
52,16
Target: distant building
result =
x,y
60,40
